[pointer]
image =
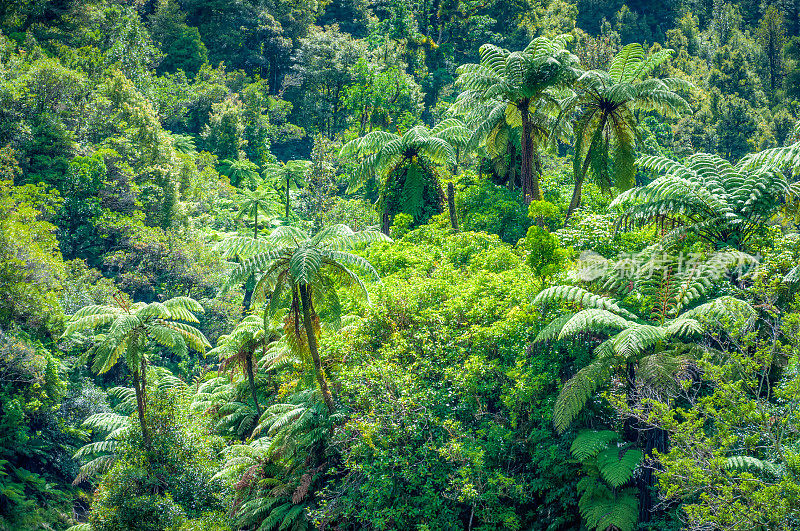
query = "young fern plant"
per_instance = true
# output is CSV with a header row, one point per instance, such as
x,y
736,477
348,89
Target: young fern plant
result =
x,y
275,473
301,272
264,497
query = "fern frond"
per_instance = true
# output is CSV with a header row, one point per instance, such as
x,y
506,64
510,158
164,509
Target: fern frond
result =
x,y
581,297
617,464
589,443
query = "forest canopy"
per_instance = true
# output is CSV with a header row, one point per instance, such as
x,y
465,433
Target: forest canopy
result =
x,y
432,265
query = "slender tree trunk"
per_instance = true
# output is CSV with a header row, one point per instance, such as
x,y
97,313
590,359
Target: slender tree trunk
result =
x,y
287,196
252,380
577,191
311,336
140,388
451,206
248,296
527,162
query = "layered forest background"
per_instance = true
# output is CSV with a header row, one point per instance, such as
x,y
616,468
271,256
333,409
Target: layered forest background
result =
x,y
383,264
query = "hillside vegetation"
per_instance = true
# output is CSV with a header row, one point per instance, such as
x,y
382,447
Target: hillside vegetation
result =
x,y
399,265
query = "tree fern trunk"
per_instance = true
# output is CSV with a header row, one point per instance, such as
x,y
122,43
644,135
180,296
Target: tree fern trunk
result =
x,y
252,381
577,191
139,386
311,336
451,206
536,193
654,439
248,295
385,222
527,153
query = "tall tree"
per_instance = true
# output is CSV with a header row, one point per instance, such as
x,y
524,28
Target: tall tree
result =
x,y
772,37
300,272
129,327
528,82
606,104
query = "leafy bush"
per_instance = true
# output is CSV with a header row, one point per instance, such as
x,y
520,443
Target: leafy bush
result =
x,y
486,207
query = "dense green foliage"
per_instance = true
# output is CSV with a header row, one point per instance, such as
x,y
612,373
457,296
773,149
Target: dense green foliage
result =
x,y
284,265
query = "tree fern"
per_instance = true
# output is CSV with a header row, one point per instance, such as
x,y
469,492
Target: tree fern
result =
x,y
606,122
527,82
668,293
300,273
707,196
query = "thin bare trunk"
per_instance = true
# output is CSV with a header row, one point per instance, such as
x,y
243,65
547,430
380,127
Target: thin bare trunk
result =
x,y
577,191
385,222
287,196
255,223
140,388
451,206
311,336
527,152
252,380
